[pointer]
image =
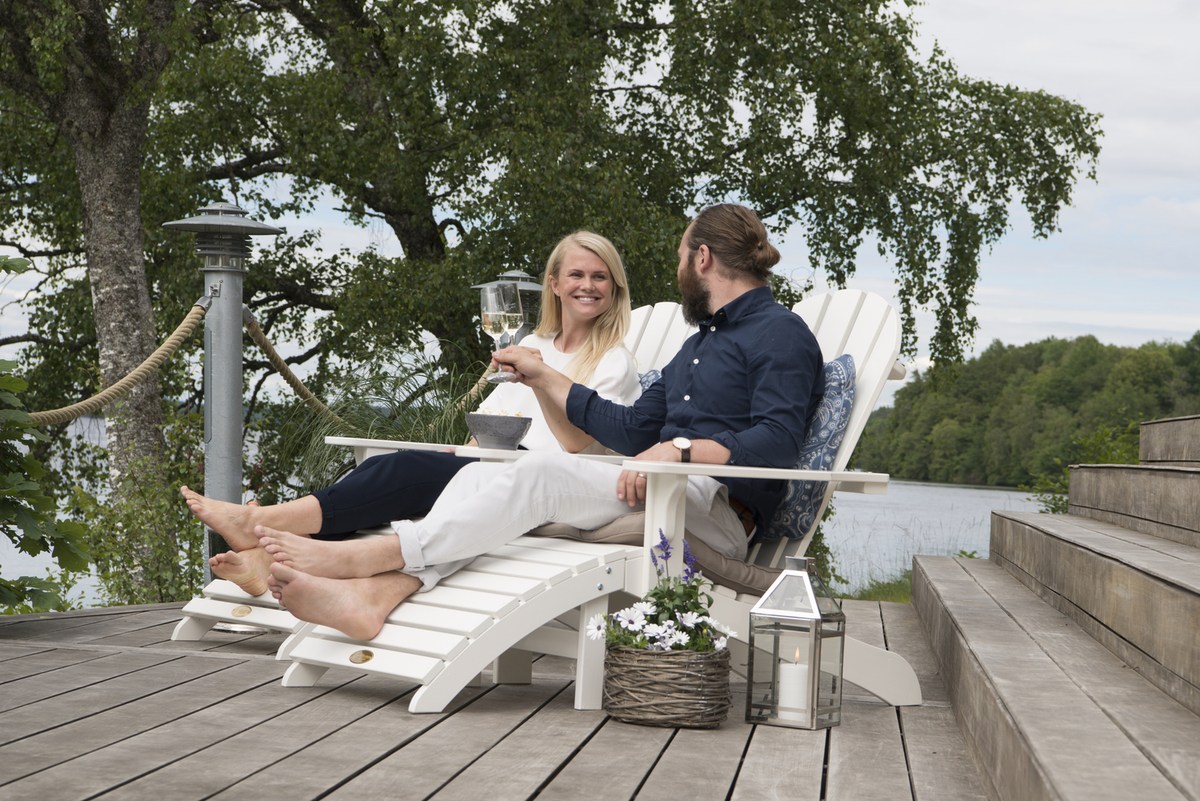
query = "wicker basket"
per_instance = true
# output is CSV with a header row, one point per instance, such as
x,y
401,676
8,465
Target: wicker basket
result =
x,y
687,689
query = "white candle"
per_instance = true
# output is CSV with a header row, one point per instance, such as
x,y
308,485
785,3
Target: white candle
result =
x,y
793,692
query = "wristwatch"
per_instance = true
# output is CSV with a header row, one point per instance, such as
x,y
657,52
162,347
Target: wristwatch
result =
x,y
685,448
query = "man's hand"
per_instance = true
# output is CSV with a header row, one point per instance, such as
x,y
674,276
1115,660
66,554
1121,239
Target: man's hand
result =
x,y
631,485
525,362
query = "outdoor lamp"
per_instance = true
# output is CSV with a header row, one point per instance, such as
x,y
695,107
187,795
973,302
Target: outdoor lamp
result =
x,y
531,298
797,639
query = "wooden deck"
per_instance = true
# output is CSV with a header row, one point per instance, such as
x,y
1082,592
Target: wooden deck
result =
x,y
101,703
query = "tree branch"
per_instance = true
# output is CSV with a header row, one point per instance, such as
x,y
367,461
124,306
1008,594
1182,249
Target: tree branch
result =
x,y
249,166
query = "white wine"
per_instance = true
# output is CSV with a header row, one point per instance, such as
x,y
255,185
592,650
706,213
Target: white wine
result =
x,y
493,324
513,322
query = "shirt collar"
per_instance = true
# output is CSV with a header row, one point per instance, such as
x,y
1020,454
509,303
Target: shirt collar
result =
x,y
741,306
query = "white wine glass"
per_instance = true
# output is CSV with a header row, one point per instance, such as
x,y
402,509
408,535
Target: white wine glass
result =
x,y
493,309
514,316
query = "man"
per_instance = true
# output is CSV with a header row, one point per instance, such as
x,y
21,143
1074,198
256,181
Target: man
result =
x,y
738,392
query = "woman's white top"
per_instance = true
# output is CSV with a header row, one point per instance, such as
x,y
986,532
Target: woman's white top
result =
x,y
616,379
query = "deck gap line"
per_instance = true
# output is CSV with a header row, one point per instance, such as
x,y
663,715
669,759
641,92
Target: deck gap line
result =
x,y
306,745
442,718
737,772
83,686
157,768
54,669
574,753
908,768
826,752
661,753
128,736
123,649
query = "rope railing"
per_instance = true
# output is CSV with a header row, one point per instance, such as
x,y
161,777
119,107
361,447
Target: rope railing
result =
x,y
171,345
139,374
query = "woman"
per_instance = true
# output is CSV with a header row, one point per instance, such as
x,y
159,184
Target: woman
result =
x,y
585,314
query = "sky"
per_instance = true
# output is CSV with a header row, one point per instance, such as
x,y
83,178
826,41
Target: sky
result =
x,y
1121,268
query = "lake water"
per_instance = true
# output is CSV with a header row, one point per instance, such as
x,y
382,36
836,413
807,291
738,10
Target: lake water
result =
x,y
876,536
871,537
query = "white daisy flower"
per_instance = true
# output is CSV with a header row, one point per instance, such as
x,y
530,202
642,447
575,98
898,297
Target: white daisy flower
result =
x,y
595,627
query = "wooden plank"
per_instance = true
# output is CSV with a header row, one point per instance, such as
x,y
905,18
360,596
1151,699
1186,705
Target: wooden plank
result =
x,y
783,765
30,719
56,682
422,766
272,740
10,650
329,761
906,637
700,764
939,760
1163,729
592,773
941,766
1040,732
42,661
528,757
866,756
33,759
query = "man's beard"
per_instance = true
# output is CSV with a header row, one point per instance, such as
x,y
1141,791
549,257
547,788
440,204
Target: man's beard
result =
x,y
696,297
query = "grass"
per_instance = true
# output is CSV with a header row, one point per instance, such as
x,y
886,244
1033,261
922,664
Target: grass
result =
x,y
896,590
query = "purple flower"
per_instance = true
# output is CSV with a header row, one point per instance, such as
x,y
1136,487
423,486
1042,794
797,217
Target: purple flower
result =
x,y
689,563
664,546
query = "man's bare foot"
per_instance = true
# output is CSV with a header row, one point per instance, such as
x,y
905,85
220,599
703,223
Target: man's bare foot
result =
x,y
234,522
357,607
248,569
346,559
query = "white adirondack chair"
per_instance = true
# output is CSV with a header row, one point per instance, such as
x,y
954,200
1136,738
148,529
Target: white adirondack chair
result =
x,y
521,610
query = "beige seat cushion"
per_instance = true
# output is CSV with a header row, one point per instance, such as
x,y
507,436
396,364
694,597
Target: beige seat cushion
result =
x,y
628,529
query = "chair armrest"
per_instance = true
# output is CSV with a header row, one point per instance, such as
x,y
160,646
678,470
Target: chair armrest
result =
x,y
846,480
365,448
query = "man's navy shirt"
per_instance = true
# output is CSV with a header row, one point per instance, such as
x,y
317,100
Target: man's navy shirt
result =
x,y
749,379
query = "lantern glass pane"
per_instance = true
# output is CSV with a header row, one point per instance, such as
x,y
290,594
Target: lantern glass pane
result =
x,y
790,595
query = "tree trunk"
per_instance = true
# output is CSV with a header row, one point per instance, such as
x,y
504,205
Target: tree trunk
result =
x,y
109,166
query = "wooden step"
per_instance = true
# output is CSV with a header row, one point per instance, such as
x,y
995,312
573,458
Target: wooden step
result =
x,y
1173,441
1136,594
1154,499
1047,711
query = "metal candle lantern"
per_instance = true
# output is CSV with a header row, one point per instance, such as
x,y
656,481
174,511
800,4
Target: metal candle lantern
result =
x,y
797,641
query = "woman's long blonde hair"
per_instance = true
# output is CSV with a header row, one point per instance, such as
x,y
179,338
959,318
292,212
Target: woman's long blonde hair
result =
x,y
609,329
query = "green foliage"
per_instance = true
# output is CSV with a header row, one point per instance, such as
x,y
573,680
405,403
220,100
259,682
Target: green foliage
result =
x,y
895,590
1104,445
27,513
148,548
673,616
1015,415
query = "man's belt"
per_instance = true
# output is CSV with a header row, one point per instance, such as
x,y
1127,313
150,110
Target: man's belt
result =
x,y
744,514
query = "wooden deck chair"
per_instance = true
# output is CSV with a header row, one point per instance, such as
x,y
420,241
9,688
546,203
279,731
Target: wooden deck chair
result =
x,y
862,325
655,334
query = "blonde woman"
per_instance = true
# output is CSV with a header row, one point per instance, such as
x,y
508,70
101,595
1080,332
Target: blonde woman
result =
x,y
584,317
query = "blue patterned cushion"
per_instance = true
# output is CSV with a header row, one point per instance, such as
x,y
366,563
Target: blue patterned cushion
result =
x,y
796,513
647,378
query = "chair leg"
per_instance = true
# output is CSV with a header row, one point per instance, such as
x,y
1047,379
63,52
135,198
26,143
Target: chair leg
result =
x,y
514,666
589,660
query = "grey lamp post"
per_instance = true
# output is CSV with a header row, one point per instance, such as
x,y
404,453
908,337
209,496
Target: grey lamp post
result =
x,y
531,297
223,238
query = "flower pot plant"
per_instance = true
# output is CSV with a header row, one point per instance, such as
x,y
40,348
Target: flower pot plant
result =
x,y
667,662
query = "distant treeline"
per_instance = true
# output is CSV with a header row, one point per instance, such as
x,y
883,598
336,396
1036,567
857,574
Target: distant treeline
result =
x,y
1016,414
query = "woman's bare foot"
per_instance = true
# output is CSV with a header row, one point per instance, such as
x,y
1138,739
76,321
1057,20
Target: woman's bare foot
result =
x,y
357,607
248,569
346,559
234,522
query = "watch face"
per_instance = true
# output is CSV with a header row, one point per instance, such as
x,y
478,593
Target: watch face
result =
x,y
683,443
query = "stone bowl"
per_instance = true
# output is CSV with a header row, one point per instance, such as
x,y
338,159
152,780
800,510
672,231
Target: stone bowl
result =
x,y
501,431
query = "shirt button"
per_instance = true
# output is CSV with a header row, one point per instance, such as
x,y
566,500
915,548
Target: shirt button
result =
x,y
687,397
695,361
713,328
